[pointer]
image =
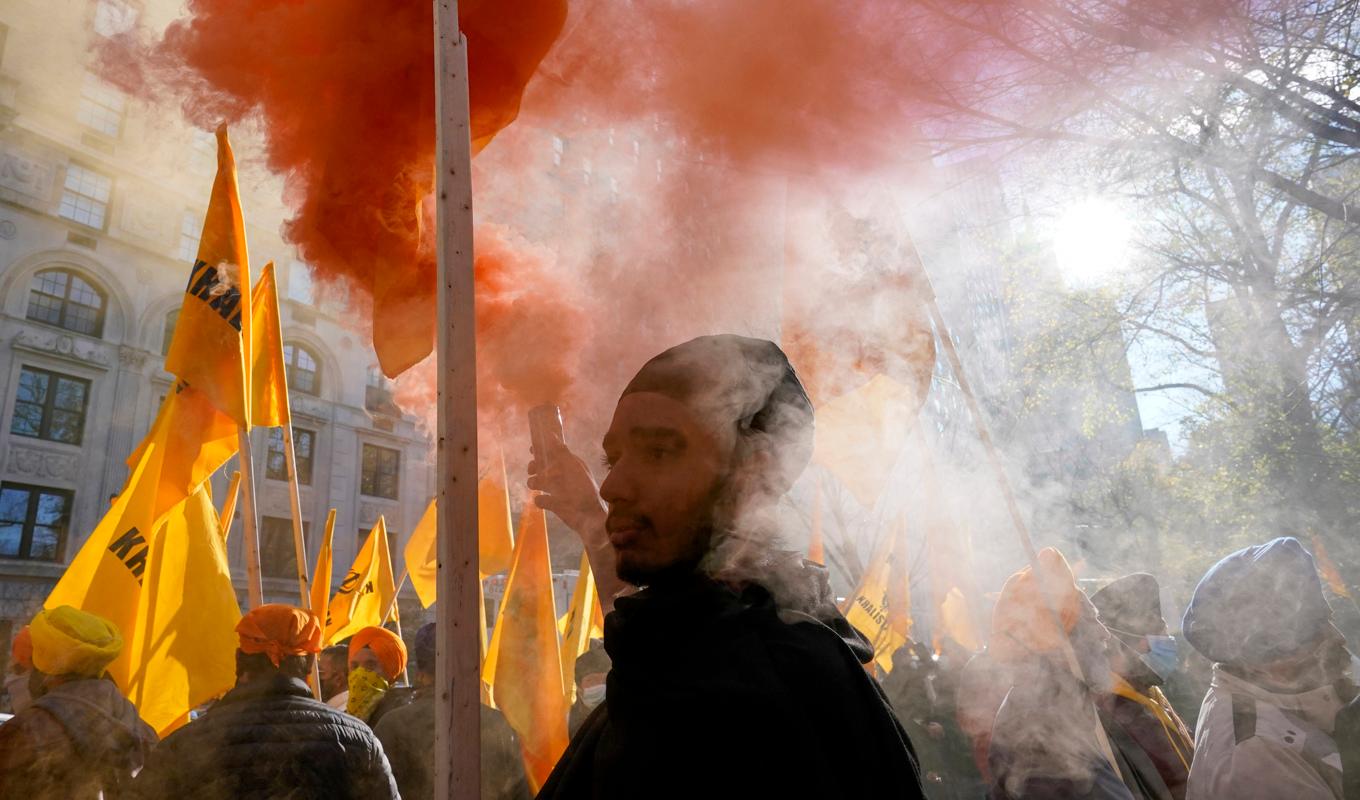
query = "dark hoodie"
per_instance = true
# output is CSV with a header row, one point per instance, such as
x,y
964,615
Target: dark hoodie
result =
x,y
78,739
717,694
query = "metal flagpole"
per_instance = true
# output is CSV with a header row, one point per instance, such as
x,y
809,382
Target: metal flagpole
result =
x,y
254,590
458,682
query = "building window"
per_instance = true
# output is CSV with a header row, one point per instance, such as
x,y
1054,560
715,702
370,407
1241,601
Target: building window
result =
x,y
278,556
276,467
63,298
112,17
302,371
101,107
33,521
300,283
190,229
85,196
50,406
168,334
381,472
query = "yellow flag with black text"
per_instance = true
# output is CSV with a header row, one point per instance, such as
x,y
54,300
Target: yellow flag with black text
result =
x,y
582,622
367,590
880,608
167,587
209,350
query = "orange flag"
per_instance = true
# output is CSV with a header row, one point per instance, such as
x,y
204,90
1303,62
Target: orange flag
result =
x,y
210,348
526,650
1327,568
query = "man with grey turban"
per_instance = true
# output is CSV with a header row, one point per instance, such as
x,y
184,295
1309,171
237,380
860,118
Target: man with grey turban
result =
x,y
1266,727
733,674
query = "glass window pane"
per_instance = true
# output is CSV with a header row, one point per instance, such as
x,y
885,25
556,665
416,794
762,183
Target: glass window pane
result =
x,y
32,386
13,505
66,427
27,420
11,536
51,509
302,443
46,542
70,395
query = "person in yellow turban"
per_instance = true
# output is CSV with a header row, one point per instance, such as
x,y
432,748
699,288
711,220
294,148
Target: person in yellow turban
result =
x,y
79,738
377,659
268,736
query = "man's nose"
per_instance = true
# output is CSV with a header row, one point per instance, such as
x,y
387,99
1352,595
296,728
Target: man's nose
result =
x,y
617,486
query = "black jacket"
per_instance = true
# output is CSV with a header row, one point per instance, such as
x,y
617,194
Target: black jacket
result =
x,y
269,739
718,695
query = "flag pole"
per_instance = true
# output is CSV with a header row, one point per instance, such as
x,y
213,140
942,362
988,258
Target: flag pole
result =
x,y
388,615
295,503
229,505
254,589
458,681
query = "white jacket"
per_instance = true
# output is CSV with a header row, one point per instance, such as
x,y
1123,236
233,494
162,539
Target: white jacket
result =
x,y
1252,744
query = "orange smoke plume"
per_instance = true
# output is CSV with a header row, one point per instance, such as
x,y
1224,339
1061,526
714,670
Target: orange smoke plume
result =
x,y
345,91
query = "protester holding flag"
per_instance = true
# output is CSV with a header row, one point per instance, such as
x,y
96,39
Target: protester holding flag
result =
x,y
80,737
407,736
733,674
377,660
268,737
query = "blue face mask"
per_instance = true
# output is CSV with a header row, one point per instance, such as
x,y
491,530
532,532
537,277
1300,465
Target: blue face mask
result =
x,y
1161,655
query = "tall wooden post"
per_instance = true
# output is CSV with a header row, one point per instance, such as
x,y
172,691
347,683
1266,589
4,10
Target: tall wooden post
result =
x,y
250,528
457,710
295,505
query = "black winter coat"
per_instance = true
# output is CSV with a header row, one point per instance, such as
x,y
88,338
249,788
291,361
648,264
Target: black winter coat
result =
x,y
269,739
718,695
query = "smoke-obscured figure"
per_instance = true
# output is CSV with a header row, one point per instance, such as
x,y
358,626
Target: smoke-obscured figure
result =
x,y
407,736
1265,729
733,674
79,738
16,673
1044,742
268,737
1153,741
592,670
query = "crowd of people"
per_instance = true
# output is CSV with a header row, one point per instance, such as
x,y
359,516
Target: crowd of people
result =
x,y
727,670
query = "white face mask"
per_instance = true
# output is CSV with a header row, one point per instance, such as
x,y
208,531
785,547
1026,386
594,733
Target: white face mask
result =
x,y
592,696
16,686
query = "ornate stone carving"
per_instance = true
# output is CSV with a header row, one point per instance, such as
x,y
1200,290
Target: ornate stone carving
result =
x,y
133,358
37,463
28,177
62,344
150,216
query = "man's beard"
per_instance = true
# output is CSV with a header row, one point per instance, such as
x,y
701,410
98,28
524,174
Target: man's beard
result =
x,y
703,533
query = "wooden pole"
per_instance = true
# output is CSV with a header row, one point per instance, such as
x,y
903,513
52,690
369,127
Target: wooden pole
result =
x,y
295,503
229,505
396,618
254,589
458,747
1003,481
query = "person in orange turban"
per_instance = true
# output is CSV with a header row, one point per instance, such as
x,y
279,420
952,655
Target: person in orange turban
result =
x,y
377,658
268,736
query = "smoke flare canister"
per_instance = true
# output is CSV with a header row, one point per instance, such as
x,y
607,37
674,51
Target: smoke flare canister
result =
x,y
545,423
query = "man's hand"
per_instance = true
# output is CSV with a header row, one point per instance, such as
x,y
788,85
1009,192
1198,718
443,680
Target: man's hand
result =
x,y
567,489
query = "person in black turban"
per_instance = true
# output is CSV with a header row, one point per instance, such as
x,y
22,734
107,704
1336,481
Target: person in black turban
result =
x,y
732,675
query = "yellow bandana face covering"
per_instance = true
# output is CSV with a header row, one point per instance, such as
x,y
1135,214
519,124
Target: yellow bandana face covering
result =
x,y
366,689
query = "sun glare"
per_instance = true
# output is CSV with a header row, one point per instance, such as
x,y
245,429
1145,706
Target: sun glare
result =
x,y
1091,242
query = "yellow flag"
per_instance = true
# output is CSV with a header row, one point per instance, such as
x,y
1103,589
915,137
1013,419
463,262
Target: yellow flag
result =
x,y
321,576
578,626
860,434
493,520
167,587
367,590
209,350
493,537
269,383
525,653
192,440
880,607
422,556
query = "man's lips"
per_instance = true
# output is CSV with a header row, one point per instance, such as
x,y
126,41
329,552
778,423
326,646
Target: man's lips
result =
x,y
623,534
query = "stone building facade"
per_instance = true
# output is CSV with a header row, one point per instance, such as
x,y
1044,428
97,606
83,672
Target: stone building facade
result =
x,y
101,201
